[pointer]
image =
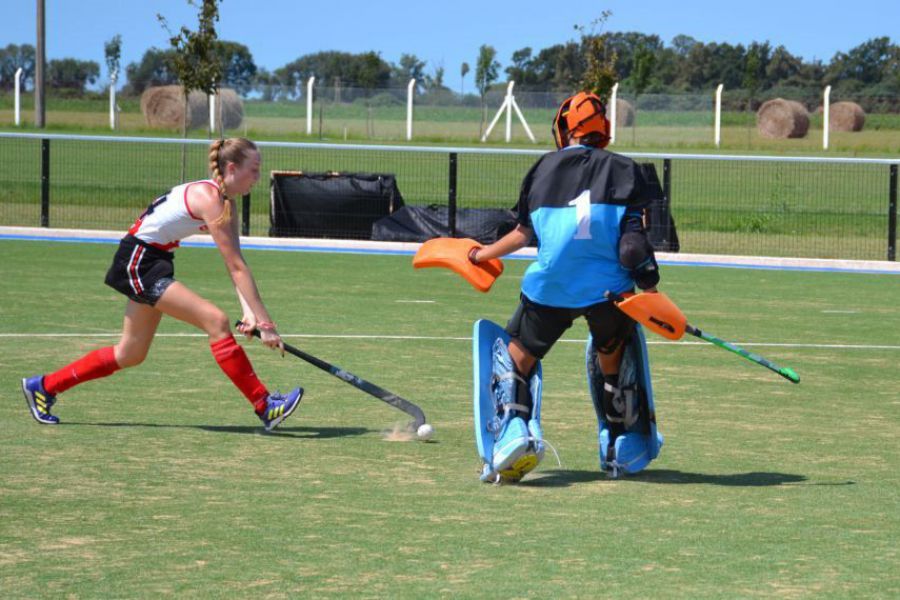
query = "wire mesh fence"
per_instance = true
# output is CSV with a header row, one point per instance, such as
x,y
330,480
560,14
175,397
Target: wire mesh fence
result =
x,y
789,207
653,121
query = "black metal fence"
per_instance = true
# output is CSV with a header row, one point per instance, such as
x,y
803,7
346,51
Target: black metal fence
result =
x,y
738,205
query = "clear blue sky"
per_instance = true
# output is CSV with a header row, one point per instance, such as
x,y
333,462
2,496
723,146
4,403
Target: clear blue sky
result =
x,y
444,32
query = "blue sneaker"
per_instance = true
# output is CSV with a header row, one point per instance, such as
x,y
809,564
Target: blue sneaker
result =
x,y
39,401
279,407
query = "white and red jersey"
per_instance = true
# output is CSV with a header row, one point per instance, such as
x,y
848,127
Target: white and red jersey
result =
x,y
168,219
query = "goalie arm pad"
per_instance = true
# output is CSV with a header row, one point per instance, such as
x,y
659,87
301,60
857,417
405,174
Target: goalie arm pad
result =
x,y
453,254
653,310
637,256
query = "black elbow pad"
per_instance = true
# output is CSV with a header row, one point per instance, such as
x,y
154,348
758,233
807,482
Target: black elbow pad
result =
x,y
636,255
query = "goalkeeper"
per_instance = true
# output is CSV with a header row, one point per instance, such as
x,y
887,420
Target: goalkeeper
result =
x,y
585,207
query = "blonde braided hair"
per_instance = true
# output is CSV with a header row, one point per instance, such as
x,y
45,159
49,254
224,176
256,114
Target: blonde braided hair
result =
x,y
222,152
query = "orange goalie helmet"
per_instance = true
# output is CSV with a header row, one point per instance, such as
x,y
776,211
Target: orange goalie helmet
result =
x,y
578,116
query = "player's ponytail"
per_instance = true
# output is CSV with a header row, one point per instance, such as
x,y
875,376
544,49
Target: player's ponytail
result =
x,y
222,152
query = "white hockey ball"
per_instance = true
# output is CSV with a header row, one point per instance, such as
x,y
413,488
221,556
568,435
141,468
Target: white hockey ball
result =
x,y
425,431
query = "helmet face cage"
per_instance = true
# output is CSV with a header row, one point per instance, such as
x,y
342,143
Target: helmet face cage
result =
x,y
580,115
560,127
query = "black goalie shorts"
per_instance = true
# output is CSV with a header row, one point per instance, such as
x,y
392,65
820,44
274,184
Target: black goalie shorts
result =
x,y
141,271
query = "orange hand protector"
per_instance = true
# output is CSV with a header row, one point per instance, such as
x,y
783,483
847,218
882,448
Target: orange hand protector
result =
x,y
655,311
453,253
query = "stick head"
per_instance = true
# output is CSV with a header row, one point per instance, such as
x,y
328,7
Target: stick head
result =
x,y
790,374
655,311
453,254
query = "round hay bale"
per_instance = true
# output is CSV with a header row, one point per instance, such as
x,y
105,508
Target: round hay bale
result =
x,y
624,113
846,116
163,106
780,118
229,108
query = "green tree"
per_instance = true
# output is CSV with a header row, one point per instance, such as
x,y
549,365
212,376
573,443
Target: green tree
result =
x,y
155,68
682,44
410,67
463,71
267,84
238,68
366,70
195,62
756,63
867,63
599,73
626,45
371,71
559,67
72,75
522,69
112,51
708,65
783,67
12,58
435,82
486,68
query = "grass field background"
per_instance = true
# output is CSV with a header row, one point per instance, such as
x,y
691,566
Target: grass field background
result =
x,y
159,480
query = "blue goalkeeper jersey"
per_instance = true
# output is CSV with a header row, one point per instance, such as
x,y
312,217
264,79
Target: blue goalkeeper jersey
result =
x,y
576,201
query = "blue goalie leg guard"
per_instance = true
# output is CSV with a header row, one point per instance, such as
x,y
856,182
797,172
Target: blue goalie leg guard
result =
x,y
628,437
510,445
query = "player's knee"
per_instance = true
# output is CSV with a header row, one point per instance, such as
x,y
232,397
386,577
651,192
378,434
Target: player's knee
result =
x,y
217,324
130,354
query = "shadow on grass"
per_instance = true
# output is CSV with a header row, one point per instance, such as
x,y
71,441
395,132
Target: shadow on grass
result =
x,y
561,478
295,432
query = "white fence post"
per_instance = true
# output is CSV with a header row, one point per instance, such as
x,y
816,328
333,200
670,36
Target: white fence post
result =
x,y
508,102
112,99
718,126
515,106
18,96
410,91
309,104
826,109
509,105
212,113
612,113
495,119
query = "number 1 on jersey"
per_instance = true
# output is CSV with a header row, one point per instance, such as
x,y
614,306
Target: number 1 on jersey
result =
x,y
582,206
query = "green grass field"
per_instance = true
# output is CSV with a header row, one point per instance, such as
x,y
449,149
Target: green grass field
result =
x,y
160,482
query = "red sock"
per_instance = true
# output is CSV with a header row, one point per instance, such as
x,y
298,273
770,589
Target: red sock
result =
x,y
96,364
234,362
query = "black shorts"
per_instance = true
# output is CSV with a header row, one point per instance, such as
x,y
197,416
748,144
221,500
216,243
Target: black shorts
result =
x,y
538,327
141,271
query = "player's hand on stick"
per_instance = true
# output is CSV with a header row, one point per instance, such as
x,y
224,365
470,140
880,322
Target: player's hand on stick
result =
x,y
268,334
247,325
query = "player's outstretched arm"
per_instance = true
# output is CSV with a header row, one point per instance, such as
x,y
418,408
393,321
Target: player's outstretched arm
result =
x,y
513,241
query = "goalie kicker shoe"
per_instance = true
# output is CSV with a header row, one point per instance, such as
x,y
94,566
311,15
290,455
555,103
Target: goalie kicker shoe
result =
x,y
512,458
39,401
279,407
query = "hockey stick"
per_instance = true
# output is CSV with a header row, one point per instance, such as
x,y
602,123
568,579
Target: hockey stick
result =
x,y
663,317
786,372
361,384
